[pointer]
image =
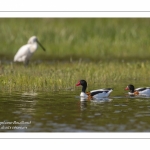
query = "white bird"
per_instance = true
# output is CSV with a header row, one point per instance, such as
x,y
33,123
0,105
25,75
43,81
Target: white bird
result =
x,y
26,51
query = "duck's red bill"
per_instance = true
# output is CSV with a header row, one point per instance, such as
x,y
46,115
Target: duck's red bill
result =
x,y
127,88
78,83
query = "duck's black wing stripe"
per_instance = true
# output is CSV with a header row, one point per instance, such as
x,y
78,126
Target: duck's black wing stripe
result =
x,y
142,89
97,92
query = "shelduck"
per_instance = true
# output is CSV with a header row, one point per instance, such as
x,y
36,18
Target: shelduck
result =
x,y
138,91
94,94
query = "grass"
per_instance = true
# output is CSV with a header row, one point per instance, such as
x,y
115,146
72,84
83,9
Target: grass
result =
x,y
91,39
64,76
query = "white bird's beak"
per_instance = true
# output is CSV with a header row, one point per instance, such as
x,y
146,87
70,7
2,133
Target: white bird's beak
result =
x,y
41,46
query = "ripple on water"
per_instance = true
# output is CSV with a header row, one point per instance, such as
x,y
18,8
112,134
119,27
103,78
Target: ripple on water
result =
x,y
97,114
117,111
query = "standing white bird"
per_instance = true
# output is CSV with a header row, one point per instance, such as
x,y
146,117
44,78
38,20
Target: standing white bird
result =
x,y
26,51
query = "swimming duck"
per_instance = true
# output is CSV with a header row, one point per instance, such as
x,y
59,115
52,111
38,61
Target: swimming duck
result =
x,y
94,94
138,91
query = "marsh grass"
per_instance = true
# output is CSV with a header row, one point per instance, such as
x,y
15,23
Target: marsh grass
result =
x,y
64,76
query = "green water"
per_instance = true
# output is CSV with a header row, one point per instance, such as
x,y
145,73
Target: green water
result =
x,y
62,111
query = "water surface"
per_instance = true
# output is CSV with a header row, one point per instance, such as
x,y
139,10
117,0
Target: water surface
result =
x,y
62,111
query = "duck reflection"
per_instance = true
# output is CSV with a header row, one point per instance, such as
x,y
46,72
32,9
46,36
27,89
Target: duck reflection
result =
x,y
83,105
84,102
83,99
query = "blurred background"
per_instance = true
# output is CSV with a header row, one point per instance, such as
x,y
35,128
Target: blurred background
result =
x,y
89,39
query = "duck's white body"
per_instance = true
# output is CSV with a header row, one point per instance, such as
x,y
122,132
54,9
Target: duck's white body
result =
x,y
101,93
104,93
83,95
26,51
141,91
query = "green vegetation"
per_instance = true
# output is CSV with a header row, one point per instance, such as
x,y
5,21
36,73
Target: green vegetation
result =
x,y
94,39
99,50
64,76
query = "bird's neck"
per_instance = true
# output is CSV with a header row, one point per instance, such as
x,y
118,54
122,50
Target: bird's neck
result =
x,y
84,88
132,91
34,47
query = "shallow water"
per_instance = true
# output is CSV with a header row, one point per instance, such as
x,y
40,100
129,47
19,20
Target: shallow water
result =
x,y
63,111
